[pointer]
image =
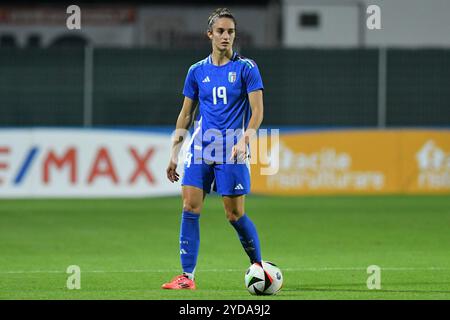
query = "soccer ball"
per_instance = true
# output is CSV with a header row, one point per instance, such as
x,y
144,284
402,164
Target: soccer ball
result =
x,y
263,279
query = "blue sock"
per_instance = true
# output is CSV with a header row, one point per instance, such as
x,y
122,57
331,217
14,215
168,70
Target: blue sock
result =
x,y
189,241
249,237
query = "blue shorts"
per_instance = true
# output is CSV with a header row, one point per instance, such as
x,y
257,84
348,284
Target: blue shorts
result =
x,y
225,179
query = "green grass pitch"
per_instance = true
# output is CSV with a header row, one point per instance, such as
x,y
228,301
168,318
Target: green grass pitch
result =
x,y
126,248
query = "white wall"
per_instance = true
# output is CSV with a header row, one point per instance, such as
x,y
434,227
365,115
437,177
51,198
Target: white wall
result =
x,y
412,23
337,27
405,23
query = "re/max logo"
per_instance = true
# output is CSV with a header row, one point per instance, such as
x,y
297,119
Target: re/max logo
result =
x,y
102,165
4,151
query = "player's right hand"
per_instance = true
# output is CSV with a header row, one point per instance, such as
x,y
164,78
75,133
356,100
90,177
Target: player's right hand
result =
x,y
172,173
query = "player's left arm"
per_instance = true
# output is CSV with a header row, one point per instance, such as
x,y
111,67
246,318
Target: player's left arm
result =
x,y
256,104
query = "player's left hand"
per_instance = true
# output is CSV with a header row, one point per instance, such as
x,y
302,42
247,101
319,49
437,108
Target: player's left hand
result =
x,y
239,151
172,173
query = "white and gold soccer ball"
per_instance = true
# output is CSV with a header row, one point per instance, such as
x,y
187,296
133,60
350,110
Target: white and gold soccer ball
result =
x,y
263,279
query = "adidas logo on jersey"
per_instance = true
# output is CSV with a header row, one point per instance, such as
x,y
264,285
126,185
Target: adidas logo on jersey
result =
x,y
239,187
206,79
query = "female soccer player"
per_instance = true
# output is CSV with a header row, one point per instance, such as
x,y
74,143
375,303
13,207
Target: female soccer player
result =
x,y
228,89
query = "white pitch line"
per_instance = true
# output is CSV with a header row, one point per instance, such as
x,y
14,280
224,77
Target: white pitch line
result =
x,y
319,269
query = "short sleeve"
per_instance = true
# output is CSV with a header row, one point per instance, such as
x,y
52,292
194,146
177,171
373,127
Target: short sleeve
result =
x,y
253,79
190,89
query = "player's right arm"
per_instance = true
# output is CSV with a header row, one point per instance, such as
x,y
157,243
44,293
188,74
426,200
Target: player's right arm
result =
x,y
184,121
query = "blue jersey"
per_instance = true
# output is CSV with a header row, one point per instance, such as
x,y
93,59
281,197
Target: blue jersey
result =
x,y
222,92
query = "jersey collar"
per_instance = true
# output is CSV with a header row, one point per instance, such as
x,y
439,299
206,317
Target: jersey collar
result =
x,y
233,57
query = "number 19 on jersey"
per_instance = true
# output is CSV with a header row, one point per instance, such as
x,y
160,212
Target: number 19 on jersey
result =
x,y
219,92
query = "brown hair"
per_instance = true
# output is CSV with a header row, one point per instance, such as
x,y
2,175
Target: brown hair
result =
x,y
220,13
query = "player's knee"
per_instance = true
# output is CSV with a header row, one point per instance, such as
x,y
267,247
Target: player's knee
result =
x,y
233,214
191,207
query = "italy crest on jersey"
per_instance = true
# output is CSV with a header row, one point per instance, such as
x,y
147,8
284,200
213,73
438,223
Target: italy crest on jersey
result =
x,y
232,76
